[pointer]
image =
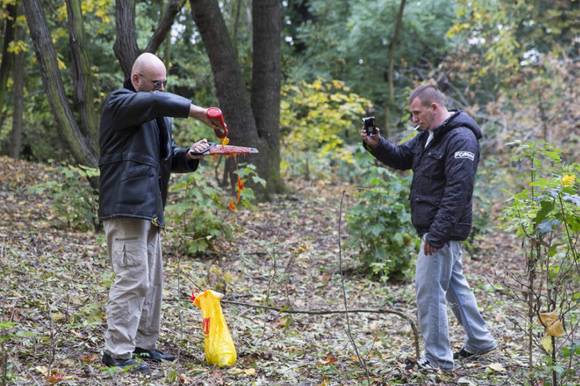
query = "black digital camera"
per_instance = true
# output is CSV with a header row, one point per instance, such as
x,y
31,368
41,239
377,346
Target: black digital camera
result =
x,y
369,125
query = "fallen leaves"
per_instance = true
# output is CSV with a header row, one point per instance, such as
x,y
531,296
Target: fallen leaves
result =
x,y
243,372
285,255
328,360
497,367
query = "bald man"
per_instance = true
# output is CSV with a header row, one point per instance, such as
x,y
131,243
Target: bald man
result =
x,y
137,156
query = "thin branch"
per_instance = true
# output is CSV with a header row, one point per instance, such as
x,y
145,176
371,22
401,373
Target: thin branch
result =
x,y
329,312
165,23
348,331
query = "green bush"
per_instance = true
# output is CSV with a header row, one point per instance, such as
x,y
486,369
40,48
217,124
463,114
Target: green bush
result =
x,y
379,225
545,215
74,200
318,119
199,216
492,182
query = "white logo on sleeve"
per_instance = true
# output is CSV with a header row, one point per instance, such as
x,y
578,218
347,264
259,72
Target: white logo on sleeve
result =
x,y
465,154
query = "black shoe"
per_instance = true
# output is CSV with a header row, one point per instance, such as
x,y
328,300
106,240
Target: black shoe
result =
x,y
464,354
153,355
125,363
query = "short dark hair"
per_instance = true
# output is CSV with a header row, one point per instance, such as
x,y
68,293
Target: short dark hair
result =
x,y
428,94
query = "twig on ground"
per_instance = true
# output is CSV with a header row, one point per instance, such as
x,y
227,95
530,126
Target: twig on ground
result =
x,y
329,312
348,331
180,314
275,269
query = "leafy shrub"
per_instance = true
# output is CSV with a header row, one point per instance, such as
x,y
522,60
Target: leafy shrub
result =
x,y
318,119
199,214
545,214
246,195
379,225
74,200
490,189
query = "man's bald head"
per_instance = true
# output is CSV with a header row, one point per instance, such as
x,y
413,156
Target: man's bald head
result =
x,y
148,73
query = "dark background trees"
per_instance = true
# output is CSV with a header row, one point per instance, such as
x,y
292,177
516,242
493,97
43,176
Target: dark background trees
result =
x,y
238,53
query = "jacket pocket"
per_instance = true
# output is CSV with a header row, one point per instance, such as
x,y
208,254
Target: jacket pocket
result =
x,y
423,210
433,164
136,170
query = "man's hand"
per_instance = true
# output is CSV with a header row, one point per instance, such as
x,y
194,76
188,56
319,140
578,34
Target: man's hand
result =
x,y
371,140
197,148
200,113
428,249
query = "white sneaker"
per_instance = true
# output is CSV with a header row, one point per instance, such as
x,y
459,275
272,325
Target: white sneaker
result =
x,y
424,364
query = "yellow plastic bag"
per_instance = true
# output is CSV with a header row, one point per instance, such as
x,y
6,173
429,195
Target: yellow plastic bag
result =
x,y
218,343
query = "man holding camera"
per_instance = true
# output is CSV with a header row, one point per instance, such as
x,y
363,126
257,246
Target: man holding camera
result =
x,y
443,157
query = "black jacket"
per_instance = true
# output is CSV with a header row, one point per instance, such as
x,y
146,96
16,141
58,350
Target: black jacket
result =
x,y
138,152
443,177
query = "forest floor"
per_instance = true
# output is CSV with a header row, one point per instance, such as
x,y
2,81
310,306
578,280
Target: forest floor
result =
x,y
54,285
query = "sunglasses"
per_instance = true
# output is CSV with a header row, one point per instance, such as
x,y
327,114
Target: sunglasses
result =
x,y
157,84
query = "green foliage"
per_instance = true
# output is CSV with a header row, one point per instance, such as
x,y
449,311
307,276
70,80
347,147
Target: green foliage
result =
x,y
379,225
348,40
318,119
247,174
199,214
503,44
492,180
74,200
545,214
10,333
515,34
550,202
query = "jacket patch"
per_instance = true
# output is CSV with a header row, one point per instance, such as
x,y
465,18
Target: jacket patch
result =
x,y
465,154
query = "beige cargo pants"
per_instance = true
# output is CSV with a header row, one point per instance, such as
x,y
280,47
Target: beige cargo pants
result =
x,y
134,306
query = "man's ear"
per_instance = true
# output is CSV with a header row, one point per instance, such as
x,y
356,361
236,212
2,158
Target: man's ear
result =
x,y
135,80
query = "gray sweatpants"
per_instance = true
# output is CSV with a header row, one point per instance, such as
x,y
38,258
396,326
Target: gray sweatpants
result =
x,y
133,310
439,279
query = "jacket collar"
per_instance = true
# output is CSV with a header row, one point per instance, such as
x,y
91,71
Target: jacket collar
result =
x,y
444,127
128,85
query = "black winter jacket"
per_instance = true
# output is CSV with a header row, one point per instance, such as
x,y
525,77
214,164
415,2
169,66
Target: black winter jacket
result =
x,y
138,152
443,177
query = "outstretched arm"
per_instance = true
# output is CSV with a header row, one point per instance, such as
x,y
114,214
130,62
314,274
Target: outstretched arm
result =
x,y
395,156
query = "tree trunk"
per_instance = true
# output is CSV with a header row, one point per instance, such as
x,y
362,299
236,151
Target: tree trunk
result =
x,y
82,74
229,82
391,66
230,87
46,55
236,24
7,57
267,26
125,47
231,91
18,94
